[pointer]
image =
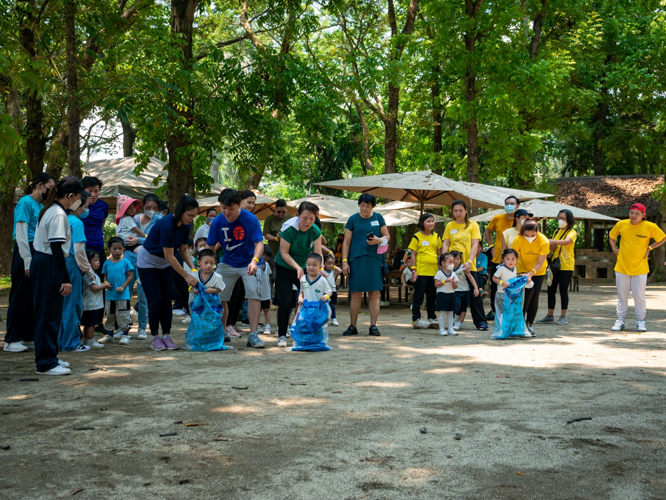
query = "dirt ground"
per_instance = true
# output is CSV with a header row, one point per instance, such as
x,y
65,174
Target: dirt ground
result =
x,y
373,418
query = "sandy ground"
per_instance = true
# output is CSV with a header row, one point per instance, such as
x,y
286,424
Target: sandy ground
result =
x,y
347,423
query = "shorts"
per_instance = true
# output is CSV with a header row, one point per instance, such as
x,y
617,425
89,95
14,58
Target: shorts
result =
x,y
265,304
252,284
463,300
445,302
91,318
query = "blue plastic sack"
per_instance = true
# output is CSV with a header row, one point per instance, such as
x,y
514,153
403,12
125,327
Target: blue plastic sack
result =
x,y
309,331
511,321
206,331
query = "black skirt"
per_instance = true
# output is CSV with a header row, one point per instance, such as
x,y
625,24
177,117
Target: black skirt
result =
x,y
445,302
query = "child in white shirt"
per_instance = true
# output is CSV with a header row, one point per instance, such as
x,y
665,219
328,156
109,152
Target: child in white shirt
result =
x,y
466,283
126,226
265,288
446,283
331,272
505,272
206,275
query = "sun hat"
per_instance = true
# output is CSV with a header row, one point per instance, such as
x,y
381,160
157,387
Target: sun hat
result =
x,y
124,202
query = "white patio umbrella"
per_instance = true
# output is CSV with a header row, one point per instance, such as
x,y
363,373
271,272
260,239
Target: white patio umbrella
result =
x,y
423,187
395,218
543,209
330,207
503,192
264,206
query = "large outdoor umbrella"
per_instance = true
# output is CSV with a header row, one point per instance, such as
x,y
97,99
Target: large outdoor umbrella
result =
x,y
330,207
264,206
543,209
118,177
395,218
422,187
503,192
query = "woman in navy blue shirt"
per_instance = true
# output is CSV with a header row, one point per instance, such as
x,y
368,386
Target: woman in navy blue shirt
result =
x,y
156,261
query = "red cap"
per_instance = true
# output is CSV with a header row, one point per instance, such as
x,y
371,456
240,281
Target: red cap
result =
x,y
638,206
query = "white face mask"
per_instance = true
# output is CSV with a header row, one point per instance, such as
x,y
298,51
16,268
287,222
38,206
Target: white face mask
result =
x,y
150,213
530,238
449,267
562,223
75,205
519,223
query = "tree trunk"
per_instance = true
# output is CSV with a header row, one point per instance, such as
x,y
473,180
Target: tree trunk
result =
x,y
73,111
255,178
366,164
34,131
56,160
471,10
129,137
6,228
391,130
181,176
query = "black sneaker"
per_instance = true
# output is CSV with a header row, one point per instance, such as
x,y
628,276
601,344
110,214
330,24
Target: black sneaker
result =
x,y
490,316
483,327
374,331
350,331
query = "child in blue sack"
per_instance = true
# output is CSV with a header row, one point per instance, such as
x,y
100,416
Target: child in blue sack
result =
x,y
507,282
446,283
310,329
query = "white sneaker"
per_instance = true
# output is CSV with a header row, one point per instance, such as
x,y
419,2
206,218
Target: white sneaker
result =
x,y
421,324
179,312
29,345
618,326
384,303
453,332
125,340
267,330
105,339
282,342
443,333
142,335
58,370
188,319
334,322
63,363
15,347
93,344
81,348
640,326
457,325
118,334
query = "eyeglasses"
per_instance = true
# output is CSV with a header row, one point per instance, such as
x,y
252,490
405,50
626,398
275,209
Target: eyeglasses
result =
x,y
280,211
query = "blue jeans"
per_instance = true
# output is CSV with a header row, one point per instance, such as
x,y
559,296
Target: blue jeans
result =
x,y
143,306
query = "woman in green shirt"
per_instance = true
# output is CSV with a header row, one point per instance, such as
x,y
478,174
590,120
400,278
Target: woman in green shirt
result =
x,y
362,263
296,243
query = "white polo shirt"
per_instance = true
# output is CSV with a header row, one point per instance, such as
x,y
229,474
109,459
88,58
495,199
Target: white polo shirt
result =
x,y
315,290
53,228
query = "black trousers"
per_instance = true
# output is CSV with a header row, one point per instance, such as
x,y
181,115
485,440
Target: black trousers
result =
x,y
235,304
531,304
476,306
284,297
47,302
492,268
333,303
179,288
19,311
424,286
563,280
157,285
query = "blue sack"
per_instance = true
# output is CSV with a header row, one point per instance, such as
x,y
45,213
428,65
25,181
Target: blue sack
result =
x,y
511,322
309,331
206,331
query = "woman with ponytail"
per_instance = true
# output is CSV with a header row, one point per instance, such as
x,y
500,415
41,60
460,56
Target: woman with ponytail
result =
x,y
49,275
19,313
156,261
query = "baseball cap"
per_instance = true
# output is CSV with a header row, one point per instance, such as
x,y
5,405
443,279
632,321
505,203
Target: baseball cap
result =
x,y
638,206
521,212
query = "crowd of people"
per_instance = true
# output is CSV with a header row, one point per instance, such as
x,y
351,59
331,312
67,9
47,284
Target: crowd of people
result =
x,y
68,283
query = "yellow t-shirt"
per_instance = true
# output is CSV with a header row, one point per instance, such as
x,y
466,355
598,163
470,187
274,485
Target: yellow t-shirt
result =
x,y
509,235
461,239
425,248
634,243
528,253
499,224
566,253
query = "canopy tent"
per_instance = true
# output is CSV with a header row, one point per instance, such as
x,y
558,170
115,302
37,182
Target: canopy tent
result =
x,y
543,209
503,192
264,206
423,187
394,217
118,177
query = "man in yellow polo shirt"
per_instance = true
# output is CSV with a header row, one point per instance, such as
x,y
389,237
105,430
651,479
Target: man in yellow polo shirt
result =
x,y
631,268
498,225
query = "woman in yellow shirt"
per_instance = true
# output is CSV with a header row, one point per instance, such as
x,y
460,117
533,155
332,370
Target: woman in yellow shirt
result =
x,y
425,247
562,247
532,248
464,235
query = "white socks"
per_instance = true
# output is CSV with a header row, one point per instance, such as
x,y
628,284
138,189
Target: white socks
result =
x,y
448,315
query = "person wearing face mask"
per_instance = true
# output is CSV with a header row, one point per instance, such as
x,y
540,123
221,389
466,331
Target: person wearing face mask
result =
x,y
533,248
498,225
632,267
49,274
510,234
69,336
562,249
203,231
20,334
144,221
